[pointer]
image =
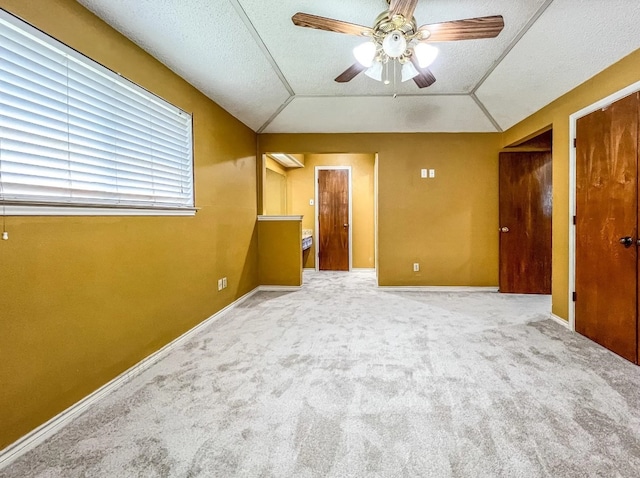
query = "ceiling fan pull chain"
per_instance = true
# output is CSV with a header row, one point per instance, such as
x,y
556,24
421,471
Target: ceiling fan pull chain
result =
x,y
395,82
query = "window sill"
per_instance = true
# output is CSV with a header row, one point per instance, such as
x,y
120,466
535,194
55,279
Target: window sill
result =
x,y
27,210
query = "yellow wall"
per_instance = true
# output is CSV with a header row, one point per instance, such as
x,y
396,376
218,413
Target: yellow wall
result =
x,y
280,252
275,180
275,166
301,188
275,193
82,299
615,78
448,224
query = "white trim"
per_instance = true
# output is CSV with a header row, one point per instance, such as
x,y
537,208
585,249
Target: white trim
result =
x,y
376,163
365,269
279,288
15,210
46,430
560,321
317,230
437,288
279,218
572,186
263,184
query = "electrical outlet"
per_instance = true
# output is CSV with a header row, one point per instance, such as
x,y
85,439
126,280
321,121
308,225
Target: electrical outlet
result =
x,y
423,173
416,267
219,284
224,282
432,173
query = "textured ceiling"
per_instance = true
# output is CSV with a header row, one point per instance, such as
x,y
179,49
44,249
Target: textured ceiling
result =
x,y
247,56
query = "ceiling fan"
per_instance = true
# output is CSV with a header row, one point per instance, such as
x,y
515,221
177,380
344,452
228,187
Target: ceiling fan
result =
x,y
396,37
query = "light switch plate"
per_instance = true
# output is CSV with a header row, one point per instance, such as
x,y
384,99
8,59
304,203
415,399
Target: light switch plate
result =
x,y
423,173
432,173
311,203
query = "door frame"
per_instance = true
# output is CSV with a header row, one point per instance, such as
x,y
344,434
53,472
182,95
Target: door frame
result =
x,y
573,119
316,219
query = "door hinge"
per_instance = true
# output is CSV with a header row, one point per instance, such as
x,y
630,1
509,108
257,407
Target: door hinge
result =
x,y
573,296
575,142
574,220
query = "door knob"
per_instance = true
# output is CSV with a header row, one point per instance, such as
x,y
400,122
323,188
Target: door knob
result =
x,y
503,229
626,241
345,225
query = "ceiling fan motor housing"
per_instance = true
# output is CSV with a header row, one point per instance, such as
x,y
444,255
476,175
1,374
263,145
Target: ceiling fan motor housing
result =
x,y
384,24
394,44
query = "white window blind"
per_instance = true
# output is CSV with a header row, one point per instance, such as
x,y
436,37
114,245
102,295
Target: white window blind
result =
x,y
74,133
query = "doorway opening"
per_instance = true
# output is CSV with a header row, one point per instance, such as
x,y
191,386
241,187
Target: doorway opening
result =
x,y
293,190
525,210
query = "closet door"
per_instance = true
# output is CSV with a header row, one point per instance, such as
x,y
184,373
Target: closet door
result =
x,y
606,227
525,222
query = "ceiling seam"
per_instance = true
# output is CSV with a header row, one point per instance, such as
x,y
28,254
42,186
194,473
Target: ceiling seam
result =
x,y
410,95
258,39
275,115
486,113
512,45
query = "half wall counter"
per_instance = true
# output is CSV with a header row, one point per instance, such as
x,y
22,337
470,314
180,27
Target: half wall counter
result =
x,y
280,250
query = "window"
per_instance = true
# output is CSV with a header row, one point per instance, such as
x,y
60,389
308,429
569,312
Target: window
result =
x,y
73,133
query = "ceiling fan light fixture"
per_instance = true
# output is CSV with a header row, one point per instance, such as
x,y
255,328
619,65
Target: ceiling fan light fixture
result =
x,y
394,44
375,72
409,71
426,54
365,53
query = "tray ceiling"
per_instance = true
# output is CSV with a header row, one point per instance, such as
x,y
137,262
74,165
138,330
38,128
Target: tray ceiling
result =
x,y
247,56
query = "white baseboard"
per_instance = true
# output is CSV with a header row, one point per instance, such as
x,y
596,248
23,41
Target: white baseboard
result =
x,y
279,288
438,288
560,320
46,430
353,269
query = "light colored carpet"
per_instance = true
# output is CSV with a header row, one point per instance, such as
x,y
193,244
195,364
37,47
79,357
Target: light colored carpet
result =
x,y
342,379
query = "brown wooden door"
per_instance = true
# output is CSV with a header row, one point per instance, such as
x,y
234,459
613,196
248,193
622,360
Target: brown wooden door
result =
x,y
606,211
333,219
525,222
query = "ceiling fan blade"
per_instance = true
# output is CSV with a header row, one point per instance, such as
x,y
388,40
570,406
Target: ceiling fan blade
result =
x,y
469,29
329,24
425,78
402,7
350,73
